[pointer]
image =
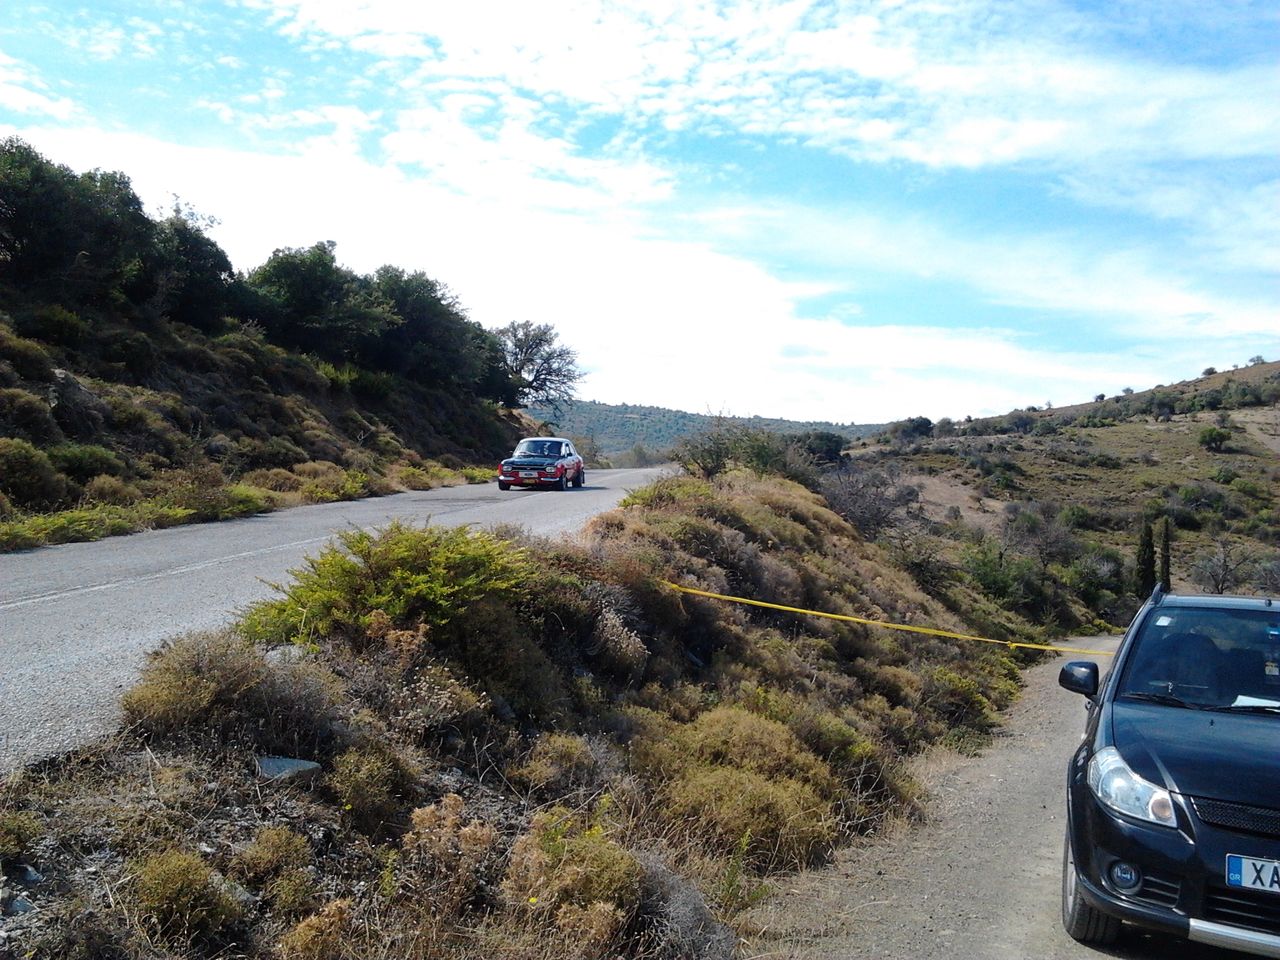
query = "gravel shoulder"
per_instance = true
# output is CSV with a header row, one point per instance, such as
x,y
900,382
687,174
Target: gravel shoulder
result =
x,y
980,877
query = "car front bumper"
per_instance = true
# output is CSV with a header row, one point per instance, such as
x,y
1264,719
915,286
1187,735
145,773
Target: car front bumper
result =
x,y
1183,890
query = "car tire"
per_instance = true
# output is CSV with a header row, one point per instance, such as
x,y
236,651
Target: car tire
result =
x,y
1084,923
580,479
561,484
503,485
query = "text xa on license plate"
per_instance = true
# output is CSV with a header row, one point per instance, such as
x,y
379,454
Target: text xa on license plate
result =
x,y
1253,874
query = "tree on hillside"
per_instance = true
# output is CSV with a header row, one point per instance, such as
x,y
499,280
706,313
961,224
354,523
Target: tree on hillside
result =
x,y
85,236
1226,567
194,280
1214,438
541,369
1144,567
319,306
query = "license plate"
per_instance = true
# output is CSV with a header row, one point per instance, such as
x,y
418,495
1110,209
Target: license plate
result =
x,y
529,473
1253,874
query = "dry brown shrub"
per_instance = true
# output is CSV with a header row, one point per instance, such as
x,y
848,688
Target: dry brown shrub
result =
x,y
321,936
274,478
273,850
445,858
108,489
318,470
778,822
370,783
558,764
220,683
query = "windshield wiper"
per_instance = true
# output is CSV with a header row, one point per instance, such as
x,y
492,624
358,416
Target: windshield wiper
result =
x,y
1166,698
1248,708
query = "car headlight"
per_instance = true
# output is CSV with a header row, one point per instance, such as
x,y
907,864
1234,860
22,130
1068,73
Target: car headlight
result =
x,y
1124,791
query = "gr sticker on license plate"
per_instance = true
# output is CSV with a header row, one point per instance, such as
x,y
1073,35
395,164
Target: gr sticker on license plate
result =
x,y
529,473
1253,874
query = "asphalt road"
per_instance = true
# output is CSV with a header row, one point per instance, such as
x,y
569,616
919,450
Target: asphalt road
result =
x,y
77,620
981,878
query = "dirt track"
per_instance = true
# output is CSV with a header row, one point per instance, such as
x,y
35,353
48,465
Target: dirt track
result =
x,y
980,879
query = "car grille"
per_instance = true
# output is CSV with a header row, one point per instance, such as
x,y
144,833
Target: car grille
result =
x,y
1238,816
1243,908
1158,890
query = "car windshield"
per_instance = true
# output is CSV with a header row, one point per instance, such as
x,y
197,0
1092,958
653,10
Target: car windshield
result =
x,y
1207,658
538,448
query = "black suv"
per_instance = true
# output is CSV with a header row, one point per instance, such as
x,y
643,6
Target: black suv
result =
x,y
1173,799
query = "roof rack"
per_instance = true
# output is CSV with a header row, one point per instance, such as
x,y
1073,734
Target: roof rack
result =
x,y
1158,595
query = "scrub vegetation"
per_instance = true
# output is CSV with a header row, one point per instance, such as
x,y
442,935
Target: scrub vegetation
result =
x,y
526,749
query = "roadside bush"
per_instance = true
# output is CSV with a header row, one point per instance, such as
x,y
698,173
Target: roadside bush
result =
x,y
180,898
276,478
82,462
27,476
6,507
411,576
220,683
779,823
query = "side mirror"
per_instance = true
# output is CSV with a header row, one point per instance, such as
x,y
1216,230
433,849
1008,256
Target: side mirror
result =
x,y
1080,676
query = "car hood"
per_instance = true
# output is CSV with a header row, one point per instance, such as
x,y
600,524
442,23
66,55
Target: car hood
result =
x,y
530,463
1201,753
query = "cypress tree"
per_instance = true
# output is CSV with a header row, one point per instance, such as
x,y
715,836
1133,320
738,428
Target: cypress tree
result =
x,y
1166,537
1144,573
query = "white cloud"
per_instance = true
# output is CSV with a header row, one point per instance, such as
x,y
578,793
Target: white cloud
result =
x,y
22,91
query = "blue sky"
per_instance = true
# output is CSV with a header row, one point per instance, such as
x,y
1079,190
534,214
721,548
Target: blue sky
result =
x,y
817,210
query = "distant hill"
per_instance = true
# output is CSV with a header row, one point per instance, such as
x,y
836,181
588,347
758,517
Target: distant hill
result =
x,y
617,428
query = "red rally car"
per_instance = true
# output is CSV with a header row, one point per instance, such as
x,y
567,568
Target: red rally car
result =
x,y
542,461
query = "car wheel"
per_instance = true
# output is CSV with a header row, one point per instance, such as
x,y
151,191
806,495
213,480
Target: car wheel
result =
x,y
580,479
503,485
561,484
1083,922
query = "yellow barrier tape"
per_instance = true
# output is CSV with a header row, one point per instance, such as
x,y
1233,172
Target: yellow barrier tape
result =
x,y
930,631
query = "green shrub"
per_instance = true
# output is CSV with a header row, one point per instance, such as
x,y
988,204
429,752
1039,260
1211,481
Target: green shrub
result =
x,y
958,699
321,936
27,357
27,417
17,830
180,897
27,477
370,783
566,859
6,507
409,575
55,324
82,462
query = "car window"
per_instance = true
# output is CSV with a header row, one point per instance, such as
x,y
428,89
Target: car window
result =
x,y
1207,657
